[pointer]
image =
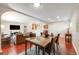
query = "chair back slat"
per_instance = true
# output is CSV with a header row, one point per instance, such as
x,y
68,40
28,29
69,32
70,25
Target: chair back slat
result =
x,y
57,38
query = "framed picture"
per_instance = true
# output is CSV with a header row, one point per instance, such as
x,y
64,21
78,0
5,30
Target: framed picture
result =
x,y
45,26
34,26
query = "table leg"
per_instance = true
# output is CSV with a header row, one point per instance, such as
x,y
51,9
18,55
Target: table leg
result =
x,y
1,53
36,50
30,46
26,48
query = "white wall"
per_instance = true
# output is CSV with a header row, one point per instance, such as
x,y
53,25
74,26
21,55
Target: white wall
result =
x,y
13,18
6,29
58,27
75,29
0,34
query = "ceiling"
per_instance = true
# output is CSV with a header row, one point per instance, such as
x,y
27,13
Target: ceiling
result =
x,y
46,12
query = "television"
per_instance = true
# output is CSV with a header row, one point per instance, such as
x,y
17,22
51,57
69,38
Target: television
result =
x,y
14,27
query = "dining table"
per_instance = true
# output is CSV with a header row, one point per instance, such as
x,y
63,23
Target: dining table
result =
x,y
38,42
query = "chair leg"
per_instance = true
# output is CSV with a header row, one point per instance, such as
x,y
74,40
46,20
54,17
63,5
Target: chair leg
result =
x,y
43,51
54,49
57,46
26,48
49,53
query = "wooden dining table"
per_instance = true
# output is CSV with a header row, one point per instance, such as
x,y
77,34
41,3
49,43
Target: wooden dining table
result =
x,y
38,42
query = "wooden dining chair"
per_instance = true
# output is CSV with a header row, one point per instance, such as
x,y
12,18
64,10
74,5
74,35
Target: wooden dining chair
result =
x,y
48,48
52,34
57,40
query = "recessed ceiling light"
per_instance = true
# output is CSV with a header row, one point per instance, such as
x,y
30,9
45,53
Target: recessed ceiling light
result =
x,y
58,17
36,4
71,24
50,20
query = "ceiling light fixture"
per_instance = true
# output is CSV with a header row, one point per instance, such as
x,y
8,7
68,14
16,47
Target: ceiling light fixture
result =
x,y
71,24
2,26
36,4
50,20
58,17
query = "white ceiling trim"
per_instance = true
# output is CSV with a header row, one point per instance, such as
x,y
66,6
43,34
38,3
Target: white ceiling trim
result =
x,y
31,16
48,7
28,15
10,9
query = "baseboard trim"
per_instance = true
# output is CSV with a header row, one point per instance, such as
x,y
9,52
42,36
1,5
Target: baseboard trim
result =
x,y
75,48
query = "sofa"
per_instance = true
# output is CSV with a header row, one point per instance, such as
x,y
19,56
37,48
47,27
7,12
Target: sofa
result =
x,y
5,41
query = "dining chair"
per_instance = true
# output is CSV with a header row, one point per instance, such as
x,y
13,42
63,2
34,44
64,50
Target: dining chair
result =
x,y
52,34
48,48
57,40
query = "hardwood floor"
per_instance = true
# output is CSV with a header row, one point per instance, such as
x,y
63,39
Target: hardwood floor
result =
x,y
65,48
